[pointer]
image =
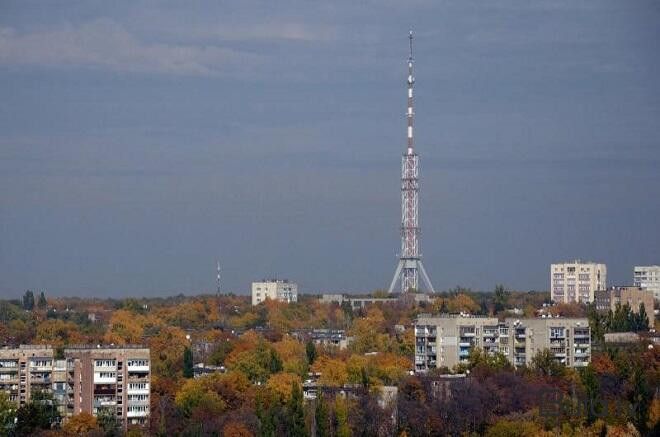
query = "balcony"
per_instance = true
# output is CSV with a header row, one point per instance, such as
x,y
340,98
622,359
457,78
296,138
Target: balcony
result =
x,y
134,368
130,413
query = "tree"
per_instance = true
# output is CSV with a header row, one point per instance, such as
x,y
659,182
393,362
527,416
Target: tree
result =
x,y
310,350
40,413
343,429
641,397
42,303
7,414
236,429
642,319
28,300
500,297
321,417
544,364
188,363
107,421
295,413
80,424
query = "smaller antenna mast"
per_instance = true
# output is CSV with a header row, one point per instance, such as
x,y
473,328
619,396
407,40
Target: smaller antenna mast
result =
x,y
218,280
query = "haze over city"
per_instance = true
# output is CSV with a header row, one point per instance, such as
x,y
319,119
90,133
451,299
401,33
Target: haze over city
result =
x,y
140,143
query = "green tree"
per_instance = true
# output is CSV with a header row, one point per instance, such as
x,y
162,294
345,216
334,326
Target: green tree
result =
x,y
42,303
295,413
592,389
500,297
107,421
188,363
310,350
642,318
7,414
28,300
641,397
341,415
544,364
321,417
40,413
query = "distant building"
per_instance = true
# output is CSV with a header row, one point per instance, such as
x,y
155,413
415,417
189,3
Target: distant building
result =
x,y
447,340
607,300
201,369
86,379
325,337
356,302
576,281
648,277
274,289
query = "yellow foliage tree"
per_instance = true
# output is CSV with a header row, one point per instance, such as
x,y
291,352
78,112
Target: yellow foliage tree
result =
x,y
80,424
124,327
333,371
281,384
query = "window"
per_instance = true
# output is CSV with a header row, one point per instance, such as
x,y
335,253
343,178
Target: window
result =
x,y
138,362
104,363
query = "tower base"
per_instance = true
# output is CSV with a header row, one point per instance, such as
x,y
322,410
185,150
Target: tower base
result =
x,y
410,266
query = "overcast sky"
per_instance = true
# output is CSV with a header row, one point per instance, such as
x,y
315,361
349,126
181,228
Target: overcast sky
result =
x,y
142,141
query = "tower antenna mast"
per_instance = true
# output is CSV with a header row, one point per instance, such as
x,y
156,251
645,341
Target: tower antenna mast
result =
x,y
410,261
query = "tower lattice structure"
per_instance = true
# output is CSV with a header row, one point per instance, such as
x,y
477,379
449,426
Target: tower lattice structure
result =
x,y
410,261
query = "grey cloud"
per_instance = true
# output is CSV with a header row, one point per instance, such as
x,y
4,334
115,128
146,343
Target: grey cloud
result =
x,y
105,44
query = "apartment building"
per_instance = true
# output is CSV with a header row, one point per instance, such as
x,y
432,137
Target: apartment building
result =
x,y
634,297
568,339
25,370
274,289
648,278
116,378
87,378
576,281
446,340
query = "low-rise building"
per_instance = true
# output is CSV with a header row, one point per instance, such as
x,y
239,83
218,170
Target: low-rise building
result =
x,y
634,297
648,278
446,340
576,281
356,301
274,289
324,337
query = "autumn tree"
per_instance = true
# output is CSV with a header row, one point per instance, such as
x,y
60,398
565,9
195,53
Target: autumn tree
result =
x,y
80,424
544,364
236,429
310,350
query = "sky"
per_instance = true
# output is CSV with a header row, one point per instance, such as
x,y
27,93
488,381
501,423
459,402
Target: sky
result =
x,y
141,142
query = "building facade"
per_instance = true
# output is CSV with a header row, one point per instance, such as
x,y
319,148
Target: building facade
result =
x,y
576,281
87,379
634,297
274,289
648,278
446,340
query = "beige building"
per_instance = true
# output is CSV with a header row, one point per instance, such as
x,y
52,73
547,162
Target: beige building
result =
x,y
446,340
607,300
274,289
86,379
576,281
569,340
648,277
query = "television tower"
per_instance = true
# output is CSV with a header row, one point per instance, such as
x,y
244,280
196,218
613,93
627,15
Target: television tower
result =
x,y
410,260
218,280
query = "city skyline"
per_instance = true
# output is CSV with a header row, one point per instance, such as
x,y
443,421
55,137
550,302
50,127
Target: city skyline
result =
x,y
141,144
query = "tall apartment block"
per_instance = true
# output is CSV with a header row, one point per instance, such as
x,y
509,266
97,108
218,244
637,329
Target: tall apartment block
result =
x,y
87,378
446,340
576,281
113,378
648,278
274,289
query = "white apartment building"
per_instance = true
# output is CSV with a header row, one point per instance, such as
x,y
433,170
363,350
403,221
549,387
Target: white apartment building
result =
x,y
446,340
576,281
648,278
274,289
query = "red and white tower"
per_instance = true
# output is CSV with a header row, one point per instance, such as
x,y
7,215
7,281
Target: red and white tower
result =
x,y
410,261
